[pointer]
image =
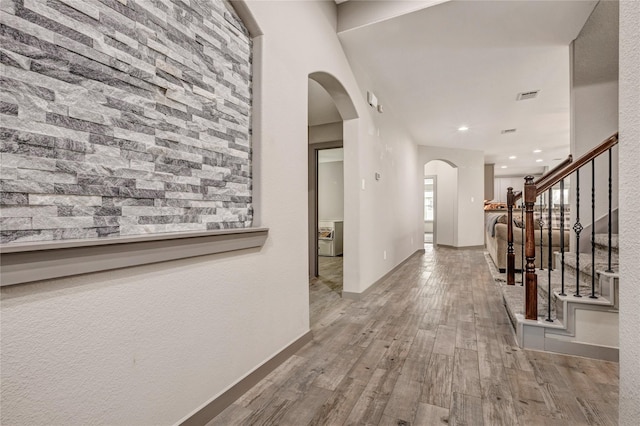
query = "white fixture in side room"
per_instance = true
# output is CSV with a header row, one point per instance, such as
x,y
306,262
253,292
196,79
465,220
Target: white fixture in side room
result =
x,y
503,167
463,128
539,160
512,157
537,151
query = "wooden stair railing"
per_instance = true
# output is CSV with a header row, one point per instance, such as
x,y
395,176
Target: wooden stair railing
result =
x,y
532,189
512,197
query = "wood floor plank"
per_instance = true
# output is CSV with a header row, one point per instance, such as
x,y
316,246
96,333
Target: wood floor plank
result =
x,y
336,409
419,354
436,389
497,403
466,377
269,414
431,415
445,340
512,355
527,396
261,393
403,402
367,363
431,319
335,371
466,410
593,413
466,335
234,415
430,345
370,406
303,410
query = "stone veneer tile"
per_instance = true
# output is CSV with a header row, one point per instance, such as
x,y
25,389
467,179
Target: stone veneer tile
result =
x,y
123,118
15,223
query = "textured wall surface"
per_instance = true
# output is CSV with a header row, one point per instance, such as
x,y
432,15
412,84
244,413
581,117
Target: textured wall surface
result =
x,y
123,118
629,208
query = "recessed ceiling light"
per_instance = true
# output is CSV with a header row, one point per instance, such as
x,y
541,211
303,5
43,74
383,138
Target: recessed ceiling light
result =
x,y
512,157
463,128
537,151
503,167
539,160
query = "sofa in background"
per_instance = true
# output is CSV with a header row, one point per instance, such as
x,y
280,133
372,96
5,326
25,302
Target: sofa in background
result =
x,y
496,241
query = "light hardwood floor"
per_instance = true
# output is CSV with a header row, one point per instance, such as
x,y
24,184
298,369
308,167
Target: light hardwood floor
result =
x,y
431,345
325,290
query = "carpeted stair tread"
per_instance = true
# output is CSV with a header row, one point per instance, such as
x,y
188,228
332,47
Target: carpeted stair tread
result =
x,y
601,263
569,284
602,241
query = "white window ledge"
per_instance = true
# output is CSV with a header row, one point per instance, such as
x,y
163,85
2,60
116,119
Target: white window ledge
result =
x,y
34,261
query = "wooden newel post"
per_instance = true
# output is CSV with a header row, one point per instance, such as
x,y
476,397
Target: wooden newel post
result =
x,y
511,256
531,284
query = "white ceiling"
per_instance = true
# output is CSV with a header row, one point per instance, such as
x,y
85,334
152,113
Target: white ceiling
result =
x,y
463,63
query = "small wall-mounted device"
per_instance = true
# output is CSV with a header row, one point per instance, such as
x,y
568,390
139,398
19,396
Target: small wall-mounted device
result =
x,y
380,109
372,99
378,176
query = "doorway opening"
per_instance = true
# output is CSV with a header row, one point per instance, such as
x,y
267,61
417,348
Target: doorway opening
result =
x,y
429,209
441,202
330,186
332,141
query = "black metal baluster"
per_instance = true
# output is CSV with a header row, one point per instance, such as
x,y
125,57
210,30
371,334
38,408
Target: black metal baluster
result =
x,y
522,244
577,228
609,216
541,223
593,229
549,235
562,293
550,259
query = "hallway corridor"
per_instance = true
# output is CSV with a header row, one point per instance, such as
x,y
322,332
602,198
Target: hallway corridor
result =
x,y
431,345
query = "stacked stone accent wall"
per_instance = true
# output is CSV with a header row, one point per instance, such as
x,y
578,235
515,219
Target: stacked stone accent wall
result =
x,y
123,117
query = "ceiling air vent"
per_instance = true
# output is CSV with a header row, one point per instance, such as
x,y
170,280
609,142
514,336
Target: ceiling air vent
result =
x,y
527,95
505,131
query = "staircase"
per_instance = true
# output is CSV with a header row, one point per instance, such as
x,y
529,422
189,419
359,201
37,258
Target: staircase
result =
x,y
581,326
574,308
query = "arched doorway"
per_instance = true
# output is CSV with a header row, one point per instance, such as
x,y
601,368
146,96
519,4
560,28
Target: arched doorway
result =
x,y
441,196
329,107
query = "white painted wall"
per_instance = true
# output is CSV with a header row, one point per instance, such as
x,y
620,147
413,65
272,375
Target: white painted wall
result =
x,y
629,208
389,210
469,224
331,190
330,132
500,185
594,105
151,344
446,200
